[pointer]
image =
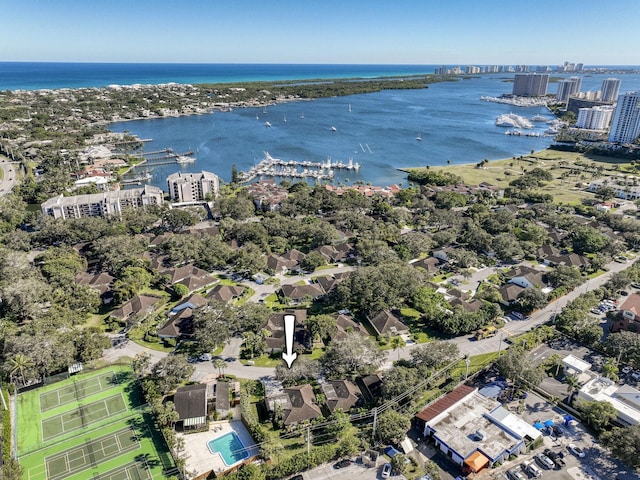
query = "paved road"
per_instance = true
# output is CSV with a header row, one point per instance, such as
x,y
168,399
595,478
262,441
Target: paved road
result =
x,y
465,343
8,175
476,347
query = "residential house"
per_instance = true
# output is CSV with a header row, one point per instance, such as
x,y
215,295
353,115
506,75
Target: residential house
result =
x,y
443,254
179,324
296,294
526,277
341,394
225,293
470,306
301,405
628,317
335,253
137,307
371,387
102,282
429,264
509,293
191,404
386,323
278,264
346,325
275,326
267,195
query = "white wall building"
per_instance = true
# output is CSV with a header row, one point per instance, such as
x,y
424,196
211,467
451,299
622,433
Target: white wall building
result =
x,y
625,399
102,204
192,187
626,119
595,118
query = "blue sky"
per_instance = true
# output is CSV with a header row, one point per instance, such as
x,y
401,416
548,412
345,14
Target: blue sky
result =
x,y
323,31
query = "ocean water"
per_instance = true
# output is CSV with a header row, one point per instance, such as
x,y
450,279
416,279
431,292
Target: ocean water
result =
x,y
42,75
377,130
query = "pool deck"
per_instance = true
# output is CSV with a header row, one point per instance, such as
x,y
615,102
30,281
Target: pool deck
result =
x,y
201,460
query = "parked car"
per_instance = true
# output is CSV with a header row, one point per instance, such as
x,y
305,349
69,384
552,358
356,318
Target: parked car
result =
x,y
636,376
544,461
386,470
514,474
531,469
626,369
556,457
577,451
297,477
558,431
342,463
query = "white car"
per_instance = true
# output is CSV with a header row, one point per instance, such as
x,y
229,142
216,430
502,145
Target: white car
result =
x,y
514,474
577,451
531,469
386,470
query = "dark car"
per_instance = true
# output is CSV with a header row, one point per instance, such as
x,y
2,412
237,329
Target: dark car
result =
x,y
297,477
342,463
558,431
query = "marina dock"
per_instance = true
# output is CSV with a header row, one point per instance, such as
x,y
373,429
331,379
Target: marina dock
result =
x,y
275,167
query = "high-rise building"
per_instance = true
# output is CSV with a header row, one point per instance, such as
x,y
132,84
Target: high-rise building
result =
x,y
610,89
530,84
626,119
192,187
568,87
595,118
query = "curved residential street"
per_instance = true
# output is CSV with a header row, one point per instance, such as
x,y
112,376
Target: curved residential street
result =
x,y
465,343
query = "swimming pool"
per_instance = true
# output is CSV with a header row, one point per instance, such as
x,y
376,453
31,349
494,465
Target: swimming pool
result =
x,y
229,447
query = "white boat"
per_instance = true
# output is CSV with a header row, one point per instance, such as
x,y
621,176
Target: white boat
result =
x,y
512,120
267,124
349,107
419,137
285,119
302,115
182,159
539,118
264,110
333,129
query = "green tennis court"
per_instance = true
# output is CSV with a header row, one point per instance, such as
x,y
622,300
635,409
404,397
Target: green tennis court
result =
x,y
130,471
82,416
77,391
90,453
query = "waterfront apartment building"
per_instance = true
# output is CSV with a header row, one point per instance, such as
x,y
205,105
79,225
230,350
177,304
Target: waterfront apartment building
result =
x,y
530,84
193,187
610,90
102,204
595,118
568,87
626,119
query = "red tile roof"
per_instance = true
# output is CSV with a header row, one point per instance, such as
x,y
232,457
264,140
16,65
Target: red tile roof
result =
x,y
443,403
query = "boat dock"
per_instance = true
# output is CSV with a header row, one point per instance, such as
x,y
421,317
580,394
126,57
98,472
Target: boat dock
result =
x,y
168,158
275,167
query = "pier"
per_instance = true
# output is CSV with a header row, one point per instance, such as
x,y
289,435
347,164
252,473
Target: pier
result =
x,y
275,167
169,158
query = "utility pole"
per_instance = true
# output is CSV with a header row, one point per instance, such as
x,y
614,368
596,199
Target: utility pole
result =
x,y
500,344
375,422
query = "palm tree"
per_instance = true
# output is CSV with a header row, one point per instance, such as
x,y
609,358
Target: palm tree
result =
x,y
220,364
18,364
396,343
610,369
573,385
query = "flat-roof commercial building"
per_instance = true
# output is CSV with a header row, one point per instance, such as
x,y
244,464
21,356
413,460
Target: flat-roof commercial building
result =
x,y
102,204
474,431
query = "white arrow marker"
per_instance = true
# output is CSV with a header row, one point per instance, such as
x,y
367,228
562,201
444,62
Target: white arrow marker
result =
x,y
289,326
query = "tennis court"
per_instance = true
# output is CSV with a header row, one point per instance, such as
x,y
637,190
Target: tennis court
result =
x,y
82,416
91,453
130,471
77,391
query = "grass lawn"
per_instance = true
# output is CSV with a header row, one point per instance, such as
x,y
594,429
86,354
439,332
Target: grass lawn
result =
x,y
98,443
572,165
476,363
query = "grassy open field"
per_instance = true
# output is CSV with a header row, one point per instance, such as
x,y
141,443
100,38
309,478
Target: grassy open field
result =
x,y
91,425
571,172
